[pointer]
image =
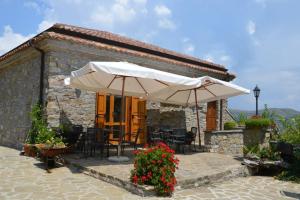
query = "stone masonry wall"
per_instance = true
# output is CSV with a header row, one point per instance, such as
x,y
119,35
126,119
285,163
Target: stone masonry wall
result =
x,y
228,142
19,80
232,141
19,91
78,107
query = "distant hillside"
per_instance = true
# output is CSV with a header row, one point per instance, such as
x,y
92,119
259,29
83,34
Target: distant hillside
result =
x,y
285,112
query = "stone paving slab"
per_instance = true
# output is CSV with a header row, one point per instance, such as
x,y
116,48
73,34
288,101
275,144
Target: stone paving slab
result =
x,y
25,178
194,170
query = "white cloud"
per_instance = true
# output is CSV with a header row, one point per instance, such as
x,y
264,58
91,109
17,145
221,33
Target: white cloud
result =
x,y
119,12
44,25
188,47
166,24
33,5
209,58
143,2
9,39
261,2
220,57
225,58
164,17
251,27
162,10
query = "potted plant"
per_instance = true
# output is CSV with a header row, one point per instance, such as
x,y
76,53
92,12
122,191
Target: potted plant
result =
x,y
155,166
36,118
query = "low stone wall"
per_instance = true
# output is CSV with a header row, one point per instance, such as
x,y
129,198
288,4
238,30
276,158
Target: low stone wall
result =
x,y
227,142
256,137
232,141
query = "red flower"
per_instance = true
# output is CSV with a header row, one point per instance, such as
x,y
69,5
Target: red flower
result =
x,y
135,179
135,152
144,178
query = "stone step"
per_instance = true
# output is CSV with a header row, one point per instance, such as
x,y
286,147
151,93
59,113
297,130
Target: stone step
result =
x,y
142,190
238,171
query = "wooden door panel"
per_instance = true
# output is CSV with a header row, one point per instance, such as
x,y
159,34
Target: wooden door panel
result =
x,y
100,110
138,116
135,116
211,116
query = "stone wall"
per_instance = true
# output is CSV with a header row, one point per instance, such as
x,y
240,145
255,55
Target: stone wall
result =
x,y
232,141
19,91
64,104
256,137
227,142
19,80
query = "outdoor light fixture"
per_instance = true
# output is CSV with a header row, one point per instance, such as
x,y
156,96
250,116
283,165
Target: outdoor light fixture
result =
x,y
256,92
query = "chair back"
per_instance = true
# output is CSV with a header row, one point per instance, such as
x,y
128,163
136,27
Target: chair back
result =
x,y
91,135
194,131
179,131
137,135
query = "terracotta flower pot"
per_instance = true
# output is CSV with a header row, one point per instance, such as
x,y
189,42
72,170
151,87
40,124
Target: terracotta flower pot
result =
x,y
29,150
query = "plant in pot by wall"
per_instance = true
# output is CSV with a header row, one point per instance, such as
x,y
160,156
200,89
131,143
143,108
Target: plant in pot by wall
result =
x,y
230,125
257,123
156,166
39,133
36,119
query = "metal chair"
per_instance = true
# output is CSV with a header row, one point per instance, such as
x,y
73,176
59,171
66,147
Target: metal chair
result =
x,y
130,143
178,138
96,138
192,136
154,135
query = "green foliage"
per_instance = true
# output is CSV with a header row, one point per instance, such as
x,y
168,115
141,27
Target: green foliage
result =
x,y
37,122
268,114
156,166
290,130
261,152
292,173
257,123
39,132
229,125
253,149
241,118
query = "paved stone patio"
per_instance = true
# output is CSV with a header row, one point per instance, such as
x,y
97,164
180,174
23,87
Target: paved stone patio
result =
x,y
194,169
25,178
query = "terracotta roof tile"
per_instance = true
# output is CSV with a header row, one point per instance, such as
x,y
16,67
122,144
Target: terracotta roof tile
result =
x,y
122,44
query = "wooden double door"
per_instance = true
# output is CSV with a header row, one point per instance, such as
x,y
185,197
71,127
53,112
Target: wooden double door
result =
x,y
108,115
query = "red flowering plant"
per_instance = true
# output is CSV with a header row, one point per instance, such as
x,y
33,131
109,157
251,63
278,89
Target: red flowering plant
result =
x,y
155,166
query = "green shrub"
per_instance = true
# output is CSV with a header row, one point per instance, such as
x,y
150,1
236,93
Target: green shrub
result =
x,y
261,152
40,132
290,130
155,166
257,123
292,173
241,118
229,125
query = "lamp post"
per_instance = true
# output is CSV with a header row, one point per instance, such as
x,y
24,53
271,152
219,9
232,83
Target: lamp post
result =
x,y
256,92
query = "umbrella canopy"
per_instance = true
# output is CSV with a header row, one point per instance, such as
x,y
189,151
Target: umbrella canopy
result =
x,y
139,81
123,78
206,89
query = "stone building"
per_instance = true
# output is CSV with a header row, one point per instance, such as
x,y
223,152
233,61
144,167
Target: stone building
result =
x,y
34,71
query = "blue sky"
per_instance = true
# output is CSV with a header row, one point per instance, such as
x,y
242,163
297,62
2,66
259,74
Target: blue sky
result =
x,y
259,40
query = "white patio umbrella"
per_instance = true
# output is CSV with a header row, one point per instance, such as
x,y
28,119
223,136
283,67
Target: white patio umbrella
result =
x,y
207,89
123,78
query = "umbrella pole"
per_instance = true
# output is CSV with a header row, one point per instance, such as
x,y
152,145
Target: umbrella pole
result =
x,y
198,123
121,118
